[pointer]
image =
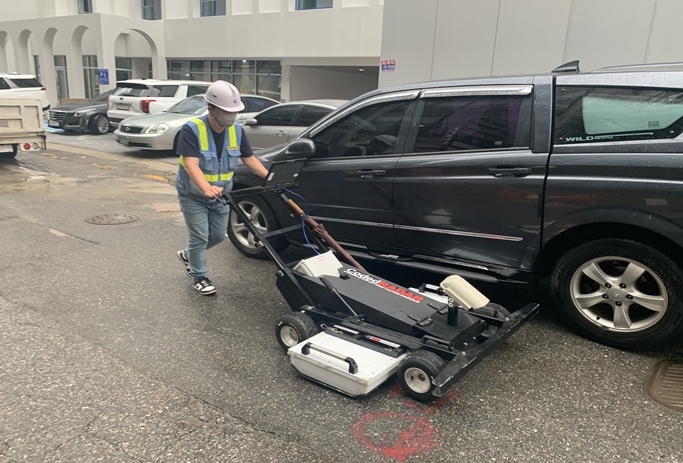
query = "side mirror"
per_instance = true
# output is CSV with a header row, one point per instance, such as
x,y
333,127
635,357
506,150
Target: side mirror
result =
x,y
250,122
300,149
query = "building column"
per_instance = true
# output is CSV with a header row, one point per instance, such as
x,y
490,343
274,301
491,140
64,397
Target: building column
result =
x,y
3,54
159,68
21,59
74,64
284,83
47,72
106,58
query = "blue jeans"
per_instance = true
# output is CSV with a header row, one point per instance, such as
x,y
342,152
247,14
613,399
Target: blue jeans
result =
x,y
207,222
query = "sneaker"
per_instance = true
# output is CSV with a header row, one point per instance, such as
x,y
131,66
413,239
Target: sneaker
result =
x,y
204,286
183,258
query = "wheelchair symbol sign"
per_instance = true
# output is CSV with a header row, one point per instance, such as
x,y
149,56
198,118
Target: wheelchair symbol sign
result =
x,y
103,76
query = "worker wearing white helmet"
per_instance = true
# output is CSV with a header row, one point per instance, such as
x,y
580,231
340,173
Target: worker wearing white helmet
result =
x,y
209,149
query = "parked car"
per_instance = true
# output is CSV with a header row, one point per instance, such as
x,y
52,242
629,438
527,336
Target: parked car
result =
x,y
16,85
140,96
287,121
90,115
160,131
572,176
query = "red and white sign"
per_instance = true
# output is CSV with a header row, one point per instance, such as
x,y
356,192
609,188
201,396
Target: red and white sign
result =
x,y
388,65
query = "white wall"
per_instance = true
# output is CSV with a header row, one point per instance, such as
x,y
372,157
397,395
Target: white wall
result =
x,y
333,32
13,10
309,83
470,38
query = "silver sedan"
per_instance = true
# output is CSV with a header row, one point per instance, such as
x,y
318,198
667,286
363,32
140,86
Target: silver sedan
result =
x,y
160,131
286,121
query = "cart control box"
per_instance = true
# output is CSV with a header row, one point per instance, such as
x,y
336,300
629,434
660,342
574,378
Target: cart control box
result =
x,y
325,264
342,365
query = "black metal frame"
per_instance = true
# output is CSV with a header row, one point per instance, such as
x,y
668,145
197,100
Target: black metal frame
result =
x,y
461,358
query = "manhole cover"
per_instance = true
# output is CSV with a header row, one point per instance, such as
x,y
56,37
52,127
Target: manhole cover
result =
x,y
112,219
665,386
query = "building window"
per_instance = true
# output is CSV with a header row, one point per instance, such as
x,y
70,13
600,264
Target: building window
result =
x,y
90,80
212,7
249,76
36,65
61,77
313,4
84,6
151,9
124,69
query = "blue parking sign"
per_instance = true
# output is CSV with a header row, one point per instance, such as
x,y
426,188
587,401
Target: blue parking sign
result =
x,y
103,76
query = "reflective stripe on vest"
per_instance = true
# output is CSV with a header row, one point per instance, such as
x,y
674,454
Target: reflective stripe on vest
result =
x,y
210,177
204,146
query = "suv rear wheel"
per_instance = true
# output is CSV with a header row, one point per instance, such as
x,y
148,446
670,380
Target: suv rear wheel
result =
x,y
620,293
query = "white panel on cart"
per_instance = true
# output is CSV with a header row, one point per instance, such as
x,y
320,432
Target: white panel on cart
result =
x,y
317,266
373,367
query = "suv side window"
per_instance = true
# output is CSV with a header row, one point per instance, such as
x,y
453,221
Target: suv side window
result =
x,y
472,123
604,114
281,116
4,85
369,131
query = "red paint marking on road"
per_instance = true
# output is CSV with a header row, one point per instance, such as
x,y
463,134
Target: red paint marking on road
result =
x,y
435,406
428,409
421,437
396,390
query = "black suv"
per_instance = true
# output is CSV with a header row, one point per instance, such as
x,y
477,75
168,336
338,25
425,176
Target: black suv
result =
x,y
573,176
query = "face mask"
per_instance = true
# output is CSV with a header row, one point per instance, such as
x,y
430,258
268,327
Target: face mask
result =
x,y
225,119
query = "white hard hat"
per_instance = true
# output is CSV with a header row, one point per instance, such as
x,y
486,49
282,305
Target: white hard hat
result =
x,y
225,96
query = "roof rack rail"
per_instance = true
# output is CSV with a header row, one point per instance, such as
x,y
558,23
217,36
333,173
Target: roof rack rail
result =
x,y
572,66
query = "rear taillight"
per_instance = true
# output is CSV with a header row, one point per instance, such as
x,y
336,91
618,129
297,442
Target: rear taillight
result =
x,y
144,105
43,88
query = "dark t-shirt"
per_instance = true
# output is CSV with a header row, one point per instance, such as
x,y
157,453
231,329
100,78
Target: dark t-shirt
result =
x,y
188,144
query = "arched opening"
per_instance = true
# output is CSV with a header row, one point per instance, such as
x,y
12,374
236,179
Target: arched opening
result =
x,y
6,52
87,45
53,62
23,57
136,56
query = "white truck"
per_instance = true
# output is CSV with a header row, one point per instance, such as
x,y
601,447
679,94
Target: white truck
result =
x,y
21,126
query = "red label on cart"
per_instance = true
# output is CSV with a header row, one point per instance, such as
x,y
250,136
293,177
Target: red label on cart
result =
x,y
397,290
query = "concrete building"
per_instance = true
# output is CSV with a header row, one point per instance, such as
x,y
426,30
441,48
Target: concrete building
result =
x,y
286,49
304,49
471,38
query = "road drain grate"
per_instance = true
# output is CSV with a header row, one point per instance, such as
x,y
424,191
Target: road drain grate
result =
x,y
112,219
665,386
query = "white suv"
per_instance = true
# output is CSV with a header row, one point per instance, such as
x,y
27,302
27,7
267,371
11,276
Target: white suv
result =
x,y
16,85
147,96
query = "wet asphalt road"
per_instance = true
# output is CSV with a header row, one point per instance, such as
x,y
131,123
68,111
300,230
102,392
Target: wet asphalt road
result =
x,y
110,355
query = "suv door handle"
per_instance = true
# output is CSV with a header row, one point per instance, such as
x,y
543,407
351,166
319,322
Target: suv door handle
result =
x,y
280,133
504,172
369,173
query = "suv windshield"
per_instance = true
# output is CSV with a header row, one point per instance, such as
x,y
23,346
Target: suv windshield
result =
x,y
194,105
26,83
